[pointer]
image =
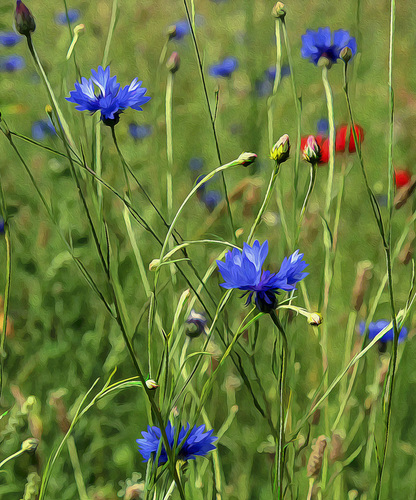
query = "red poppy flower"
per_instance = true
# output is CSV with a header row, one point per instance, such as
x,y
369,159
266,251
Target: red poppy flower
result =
x,y
323,143
342,135
402,177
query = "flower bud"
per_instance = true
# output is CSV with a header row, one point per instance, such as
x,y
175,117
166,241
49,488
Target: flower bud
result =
x,y
171,32
174,62
345,54
279,11
152,384
280,151
24,20
246,159
315,459
154,264
311,152
196,324
30,445
315,319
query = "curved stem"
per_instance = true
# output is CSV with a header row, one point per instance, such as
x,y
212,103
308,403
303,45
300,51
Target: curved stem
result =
x,y
313,169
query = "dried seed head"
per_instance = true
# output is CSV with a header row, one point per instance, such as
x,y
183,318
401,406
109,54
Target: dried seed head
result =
x,y
315,460
361,283
336,447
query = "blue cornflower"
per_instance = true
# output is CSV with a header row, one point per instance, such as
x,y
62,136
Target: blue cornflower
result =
x,y
73,16
211,199
375,328
182,29
111,100
270,72
317,44
196,163
322,127
243,270
42,129
1,226
140,131
9,38
224,68
9,64
198,442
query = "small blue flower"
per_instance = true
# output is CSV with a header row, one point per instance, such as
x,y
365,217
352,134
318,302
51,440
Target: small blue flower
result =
x,y
182,29
322,127
243,270
270,72
375,328
224,68
9,38
198,442
211,199
317,44
42,129
73,16
111,100
139,132
9,64
1,226
196,164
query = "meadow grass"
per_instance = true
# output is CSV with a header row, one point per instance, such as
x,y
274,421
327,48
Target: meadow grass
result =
x,y
111,240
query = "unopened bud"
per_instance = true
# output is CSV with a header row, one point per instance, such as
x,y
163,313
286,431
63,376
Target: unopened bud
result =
x,y
154,264
345,54
279,11
30,445
174,62
315,459
171,32
152,384
315,319
280,151
311,152
246,159
24,20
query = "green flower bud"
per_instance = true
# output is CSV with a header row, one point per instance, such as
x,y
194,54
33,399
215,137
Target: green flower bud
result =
x,y
311,152
345,54
280,151
279,11
30,445
174,62
246,159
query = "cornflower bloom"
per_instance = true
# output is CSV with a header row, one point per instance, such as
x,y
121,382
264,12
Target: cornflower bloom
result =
x,y
111,100
375,328
9,38
73,16
321,43
197,442
42,129
9,64
211,199
139,132
224,68
243,270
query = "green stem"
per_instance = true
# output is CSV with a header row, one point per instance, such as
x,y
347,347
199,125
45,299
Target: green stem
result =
x,y
331,121
312,180
169,144
265,203
277,78
282,410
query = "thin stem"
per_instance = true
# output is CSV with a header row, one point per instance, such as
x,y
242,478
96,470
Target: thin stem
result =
x,y
331,120
282,410
312,179
211,116
169,144
265,203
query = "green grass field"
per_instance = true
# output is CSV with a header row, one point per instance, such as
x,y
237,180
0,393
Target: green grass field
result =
x,y
85,321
